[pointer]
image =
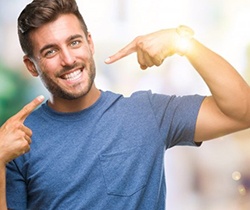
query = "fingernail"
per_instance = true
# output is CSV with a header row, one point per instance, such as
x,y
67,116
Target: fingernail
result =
x,y
107,60
40,98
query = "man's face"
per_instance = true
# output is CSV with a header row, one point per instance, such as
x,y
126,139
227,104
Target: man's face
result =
x,y
63,57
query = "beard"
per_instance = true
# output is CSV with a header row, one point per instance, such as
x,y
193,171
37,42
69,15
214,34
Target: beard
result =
x,y
59,92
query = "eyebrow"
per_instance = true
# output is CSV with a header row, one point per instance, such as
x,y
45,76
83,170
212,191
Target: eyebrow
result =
x,y
53,45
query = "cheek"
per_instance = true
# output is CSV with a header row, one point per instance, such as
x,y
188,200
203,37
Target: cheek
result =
x,y
85,53
48,67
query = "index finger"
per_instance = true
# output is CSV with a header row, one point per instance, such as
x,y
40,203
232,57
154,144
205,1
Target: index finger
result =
x,y
27,109
127,50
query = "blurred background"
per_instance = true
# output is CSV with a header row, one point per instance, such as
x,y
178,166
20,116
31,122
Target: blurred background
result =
x,y
217,175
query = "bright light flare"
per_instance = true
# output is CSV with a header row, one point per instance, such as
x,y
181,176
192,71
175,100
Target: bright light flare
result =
x,y
183,43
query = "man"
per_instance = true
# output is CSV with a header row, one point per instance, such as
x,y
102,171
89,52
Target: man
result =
x,y
100,150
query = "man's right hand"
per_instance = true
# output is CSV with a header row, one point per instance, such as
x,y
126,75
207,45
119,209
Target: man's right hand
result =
x,y
15,137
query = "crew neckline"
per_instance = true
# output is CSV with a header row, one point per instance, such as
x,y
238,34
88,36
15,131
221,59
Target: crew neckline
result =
x,y
71,115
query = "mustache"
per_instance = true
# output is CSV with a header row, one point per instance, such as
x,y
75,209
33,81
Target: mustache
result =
x,y
68,68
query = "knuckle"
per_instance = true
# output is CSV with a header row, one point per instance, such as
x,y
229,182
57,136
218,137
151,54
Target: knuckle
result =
x,y
18,125
137,39
24,144
26,109
158,62
30,132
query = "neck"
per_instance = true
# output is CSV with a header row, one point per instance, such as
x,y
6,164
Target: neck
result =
x,y
75,105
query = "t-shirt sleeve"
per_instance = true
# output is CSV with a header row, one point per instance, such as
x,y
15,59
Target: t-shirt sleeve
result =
x,y
15,188
176,117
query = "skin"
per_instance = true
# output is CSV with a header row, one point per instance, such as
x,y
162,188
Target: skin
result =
x,y
227,110
62,50
15,140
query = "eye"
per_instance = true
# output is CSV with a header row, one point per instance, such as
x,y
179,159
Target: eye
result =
x,y
75,43
49,53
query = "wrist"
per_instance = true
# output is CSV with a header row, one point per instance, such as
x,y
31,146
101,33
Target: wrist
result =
x,y
3,159
184,39
2,164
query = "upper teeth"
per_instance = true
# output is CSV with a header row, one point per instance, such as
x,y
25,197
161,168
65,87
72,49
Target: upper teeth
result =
x,y
73,75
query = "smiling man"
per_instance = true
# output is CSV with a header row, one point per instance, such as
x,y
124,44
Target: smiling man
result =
x,y
63,58
94,149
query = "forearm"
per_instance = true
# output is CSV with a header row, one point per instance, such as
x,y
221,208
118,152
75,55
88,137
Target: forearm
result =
x,y
3,205
229,90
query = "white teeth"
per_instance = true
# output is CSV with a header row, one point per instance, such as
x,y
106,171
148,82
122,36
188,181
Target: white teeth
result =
x,y
73,76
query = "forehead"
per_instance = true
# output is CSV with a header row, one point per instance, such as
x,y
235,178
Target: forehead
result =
x,y
57,31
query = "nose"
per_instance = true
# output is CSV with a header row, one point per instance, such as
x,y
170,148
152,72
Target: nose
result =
x,y
67,57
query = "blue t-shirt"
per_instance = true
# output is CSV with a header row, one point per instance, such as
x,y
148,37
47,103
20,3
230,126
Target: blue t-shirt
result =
x,y
109,156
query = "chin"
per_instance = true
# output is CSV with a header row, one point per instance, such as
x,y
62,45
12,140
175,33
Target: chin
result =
x,y
73,96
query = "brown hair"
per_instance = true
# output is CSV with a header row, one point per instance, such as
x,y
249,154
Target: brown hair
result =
x,y
40,12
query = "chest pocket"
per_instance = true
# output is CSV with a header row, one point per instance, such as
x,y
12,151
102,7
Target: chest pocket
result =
x,y
126,172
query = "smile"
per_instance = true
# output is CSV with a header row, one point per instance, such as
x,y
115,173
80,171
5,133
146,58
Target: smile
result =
x,y
73,75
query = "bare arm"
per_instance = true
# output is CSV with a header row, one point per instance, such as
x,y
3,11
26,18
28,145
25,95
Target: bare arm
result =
x,y
15,140
228,109
2,187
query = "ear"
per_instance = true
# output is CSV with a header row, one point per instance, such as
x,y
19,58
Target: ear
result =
x,y
30,66
91,43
